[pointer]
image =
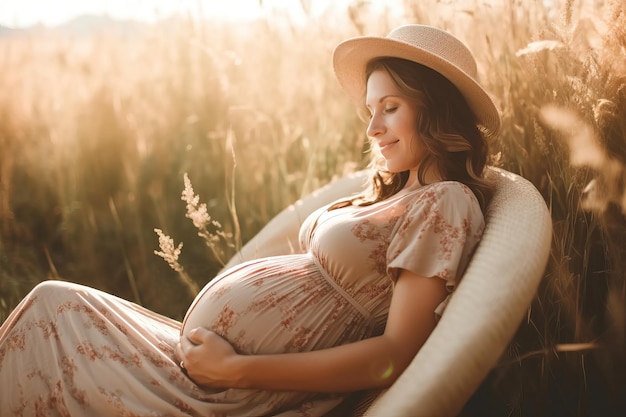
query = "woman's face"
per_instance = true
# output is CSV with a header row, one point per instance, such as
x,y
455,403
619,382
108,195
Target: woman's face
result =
x,y
393,124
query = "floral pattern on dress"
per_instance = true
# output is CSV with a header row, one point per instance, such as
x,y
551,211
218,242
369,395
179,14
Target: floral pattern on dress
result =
x,y
380,235
438,235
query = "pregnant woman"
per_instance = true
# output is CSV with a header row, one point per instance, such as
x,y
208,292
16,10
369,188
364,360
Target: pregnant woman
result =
x,y
290,335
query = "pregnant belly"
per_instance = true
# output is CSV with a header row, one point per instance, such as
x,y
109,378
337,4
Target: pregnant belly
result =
x,y
274,305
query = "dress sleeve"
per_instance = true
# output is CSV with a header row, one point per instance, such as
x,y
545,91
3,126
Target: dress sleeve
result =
x,y
438,234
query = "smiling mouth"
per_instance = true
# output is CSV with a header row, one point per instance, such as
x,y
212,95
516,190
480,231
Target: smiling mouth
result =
x,y
386,145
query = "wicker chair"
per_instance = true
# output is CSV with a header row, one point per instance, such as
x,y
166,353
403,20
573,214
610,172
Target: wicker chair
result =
x,y
482,315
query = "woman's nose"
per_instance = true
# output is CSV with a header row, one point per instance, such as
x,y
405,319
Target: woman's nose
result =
x,y
375,127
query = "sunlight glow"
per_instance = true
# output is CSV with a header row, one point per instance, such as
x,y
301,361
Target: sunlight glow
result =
x,y
32,12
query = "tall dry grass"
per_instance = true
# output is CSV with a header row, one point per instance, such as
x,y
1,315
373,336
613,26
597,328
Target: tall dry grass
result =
x,y
96,134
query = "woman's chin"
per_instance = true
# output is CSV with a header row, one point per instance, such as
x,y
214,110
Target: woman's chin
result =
x,y
394,168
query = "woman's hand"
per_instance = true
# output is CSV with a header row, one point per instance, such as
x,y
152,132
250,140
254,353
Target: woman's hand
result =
x,y
209,359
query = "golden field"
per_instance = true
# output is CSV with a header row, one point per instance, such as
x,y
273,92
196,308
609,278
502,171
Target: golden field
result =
x,y
97,132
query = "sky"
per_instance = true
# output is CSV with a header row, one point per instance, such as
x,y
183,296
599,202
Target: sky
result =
x,y
25,13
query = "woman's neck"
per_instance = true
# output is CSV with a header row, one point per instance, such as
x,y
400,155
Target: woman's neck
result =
x,y
431,175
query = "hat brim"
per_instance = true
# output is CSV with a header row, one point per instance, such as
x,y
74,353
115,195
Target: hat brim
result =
x,y
352,56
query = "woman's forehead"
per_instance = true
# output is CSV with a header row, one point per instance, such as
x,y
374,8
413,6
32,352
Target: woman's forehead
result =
x,y
379,86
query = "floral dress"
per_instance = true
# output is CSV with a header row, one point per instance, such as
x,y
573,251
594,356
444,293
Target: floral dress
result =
x,y
70,350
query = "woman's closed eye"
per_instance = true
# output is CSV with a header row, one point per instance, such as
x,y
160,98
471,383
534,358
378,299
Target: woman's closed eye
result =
x,y
390,110
385,110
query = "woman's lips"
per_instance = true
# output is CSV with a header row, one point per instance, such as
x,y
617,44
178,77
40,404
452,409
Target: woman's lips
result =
x,y
387,145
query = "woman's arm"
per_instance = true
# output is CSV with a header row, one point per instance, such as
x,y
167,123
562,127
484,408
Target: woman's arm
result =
x,y
370,363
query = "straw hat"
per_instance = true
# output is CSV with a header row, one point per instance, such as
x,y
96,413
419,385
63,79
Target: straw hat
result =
x,y
425,45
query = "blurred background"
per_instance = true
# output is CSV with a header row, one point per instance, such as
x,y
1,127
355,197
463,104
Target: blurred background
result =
x,y
104,106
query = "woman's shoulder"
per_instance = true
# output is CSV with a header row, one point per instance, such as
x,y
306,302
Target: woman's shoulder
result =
x,y
451,198
450,186
446,190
